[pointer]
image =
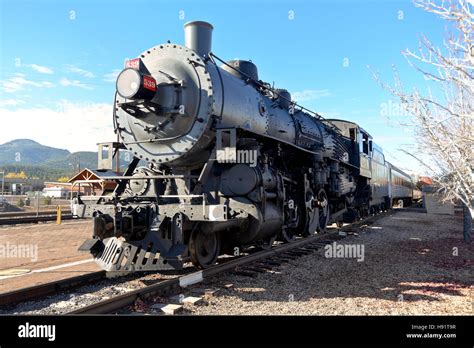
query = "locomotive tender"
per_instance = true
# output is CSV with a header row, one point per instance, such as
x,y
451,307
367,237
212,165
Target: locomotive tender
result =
x,y
223,160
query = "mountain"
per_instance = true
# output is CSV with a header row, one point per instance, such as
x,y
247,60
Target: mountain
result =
x,y
28,152
80,159
45,162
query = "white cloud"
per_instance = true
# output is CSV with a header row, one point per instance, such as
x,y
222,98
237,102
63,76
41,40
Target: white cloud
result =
x,y
47,84
11,102
74,126
74,83
112,77
19,82
41,69
310,94
79,71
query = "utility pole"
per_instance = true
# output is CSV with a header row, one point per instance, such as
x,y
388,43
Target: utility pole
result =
x,y
3,182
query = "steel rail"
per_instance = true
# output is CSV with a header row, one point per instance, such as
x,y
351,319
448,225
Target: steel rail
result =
x,y
116,303
32,219
121,301
50,288
32,213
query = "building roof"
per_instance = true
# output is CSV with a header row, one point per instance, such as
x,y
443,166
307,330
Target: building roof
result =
x,y
57,183
92,174
94,178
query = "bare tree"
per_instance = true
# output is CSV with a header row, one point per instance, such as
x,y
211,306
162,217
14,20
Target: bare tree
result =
x,y
442,117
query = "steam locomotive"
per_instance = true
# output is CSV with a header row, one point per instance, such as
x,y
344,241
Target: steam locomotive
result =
x,y
222,160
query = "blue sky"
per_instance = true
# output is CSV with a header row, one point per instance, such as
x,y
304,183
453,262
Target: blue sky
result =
x,y
58,59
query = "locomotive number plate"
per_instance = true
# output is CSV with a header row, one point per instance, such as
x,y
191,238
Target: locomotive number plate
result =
x,y
149,83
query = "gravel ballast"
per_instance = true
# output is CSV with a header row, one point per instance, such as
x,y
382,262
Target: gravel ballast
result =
x,y
413,264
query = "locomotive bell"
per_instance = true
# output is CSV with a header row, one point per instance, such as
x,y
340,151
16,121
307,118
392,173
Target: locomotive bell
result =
x,y
284,98
132,84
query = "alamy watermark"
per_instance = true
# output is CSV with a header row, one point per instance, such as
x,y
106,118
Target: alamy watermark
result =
x,y
347,251
390,108
232,155
19,251
28,330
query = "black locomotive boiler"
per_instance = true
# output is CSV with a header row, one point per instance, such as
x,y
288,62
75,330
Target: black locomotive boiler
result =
x,y
221,160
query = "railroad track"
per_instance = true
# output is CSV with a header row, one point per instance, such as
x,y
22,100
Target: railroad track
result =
x,y
46,289
247,265
167,286
34,219
32,213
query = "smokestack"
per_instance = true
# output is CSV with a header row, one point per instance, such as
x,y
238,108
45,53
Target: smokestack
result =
x,y
198,37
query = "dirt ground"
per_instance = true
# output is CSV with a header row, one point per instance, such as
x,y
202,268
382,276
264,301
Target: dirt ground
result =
x,y
35,254
414,264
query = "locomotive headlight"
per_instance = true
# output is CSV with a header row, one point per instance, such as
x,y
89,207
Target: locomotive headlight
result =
x,y
132,84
